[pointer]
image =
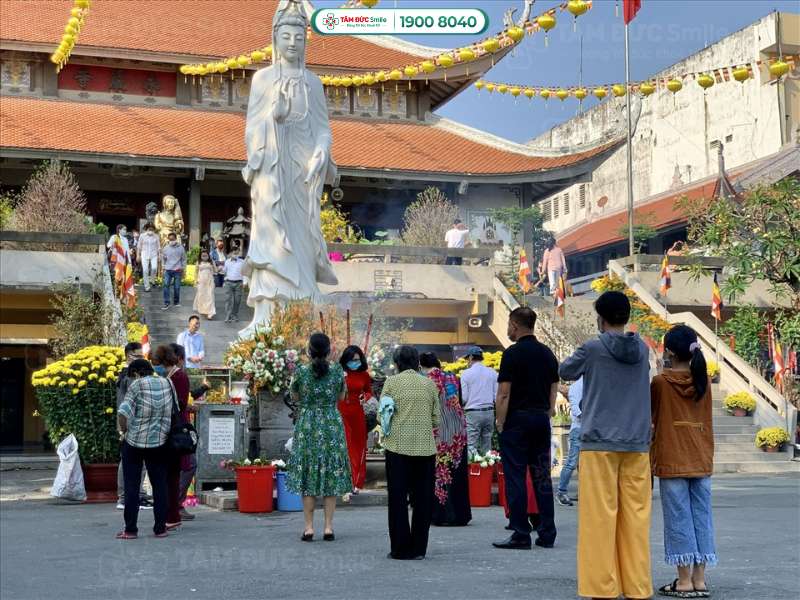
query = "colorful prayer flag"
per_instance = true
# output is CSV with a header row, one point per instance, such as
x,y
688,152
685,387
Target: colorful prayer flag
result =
x,y
666,280
630,8
561,296
146,342
524,272
716,300
776,354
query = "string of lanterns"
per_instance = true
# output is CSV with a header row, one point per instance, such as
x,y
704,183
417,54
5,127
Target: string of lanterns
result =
x,y
777,67
507,38
76,21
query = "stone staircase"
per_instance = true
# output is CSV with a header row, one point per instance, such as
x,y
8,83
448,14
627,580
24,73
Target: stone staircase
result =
x,y
165,325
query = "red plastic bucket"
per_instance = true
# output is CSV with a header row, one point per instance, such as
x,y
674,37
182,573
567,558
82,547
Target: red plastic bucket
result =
x,y
533,508
254,486
501,487
480,485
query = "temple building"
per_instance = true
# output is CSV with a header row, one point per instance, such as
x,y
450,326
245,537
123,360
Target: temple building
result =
x,y
135,128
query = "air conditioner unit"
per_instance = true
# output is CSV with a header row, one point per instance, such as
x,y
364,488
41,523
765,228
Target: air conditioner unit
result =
x,y
475,322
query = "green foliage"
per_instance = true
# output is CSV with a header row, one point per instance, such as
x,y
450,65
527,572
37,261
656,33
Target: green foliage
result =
x,y
6,210
101,229
193,255
747,327
643,231
523,220
428,218
80,319
756,234
335,223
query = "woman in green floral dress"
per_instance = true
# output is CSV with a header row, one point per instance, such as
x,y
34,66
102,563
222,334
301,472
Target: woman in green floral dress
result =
x,y
319,464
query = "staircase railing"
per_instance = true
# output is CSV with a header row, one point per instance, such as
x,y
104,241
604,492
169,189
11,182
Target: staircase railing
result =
x,y
772,408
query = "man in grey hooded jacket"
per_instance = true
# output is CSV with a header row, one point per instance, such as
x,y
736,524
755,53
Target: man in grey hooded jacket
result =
x,y
614,477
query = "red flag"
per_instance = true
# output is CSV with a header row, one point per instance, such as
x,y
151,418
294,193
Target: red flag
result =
x,y
630,8
716,300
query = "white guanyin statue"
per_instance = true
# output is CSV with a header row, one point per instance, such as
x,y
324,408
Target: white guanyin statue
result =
x,y
288,140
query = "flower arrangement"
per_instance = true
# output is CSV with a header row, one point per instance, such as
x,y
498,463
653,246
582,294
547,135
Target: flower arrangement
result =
x,y
712,368
771,437
380,365
135,331
562,418
608,283
233,463
740,400
490,359
264,361
487,460
77,394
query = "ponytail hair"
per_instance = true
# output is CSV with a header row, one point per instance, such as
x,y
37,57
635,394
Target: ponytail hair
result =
x,y
681,340
319,347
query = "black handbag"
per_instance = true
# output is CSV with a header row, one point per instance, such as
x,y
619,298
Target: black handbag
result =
x,y
182,438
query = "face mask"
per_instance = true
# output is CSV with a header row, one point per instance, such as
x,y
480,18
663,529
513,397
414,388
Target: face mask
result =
x,y
173,242
354,365
161,370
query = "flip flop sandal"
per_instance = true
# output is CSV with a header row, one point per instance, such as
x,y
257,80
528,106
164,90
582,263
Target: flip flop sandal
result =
x,y
124,535
671,590
704,593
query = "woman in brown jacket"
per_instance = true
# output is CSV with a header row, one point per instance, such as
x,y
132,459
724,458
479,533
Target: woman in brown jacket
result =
x,y
682,455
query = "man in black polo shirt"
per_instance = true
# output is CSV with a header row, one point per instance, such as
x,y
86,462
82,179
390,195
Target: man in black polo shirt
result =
x,y
526,398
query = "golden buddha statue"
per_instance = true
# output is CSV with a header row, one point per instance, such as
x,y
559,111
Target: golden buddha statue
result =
x,y
169,219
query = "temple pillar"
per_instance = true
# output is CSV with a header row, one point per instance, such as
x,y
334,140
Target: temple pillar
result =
x,y
194,213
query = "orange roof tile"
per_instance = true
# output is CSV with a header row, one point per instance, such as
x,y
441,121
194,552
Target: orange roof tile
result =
x,y
216,28
62,125
660,211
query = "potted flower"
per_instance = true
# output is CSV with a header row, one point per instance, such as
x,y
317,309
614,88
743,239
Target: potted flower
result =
x,y
771,439
739,404
254,479
712,368
481,469
77,394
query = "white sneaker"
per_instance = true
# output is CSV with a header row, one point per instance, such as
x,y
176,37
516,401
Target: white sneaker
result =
x,y
120,506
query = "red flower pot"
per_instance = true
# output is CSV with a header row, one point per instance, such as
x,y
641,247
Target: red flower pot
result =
x,y
739,412
254,487
480,485
100,481
771,448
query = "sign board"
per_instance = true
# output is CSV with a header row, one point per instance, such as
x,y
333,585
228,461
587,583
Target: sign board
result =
x,y
221,436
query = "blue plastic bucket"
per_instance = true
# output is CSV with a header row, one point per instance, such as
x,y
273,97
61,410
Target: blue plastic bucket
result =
x,y
287,501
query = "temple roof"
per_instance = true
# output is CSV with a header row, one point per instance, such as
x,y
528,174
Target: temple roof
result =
x,y
127,133
184,30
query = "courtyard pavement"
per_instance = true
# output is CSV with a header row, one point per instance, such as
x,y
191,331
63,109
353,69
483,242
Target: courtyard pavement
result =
x,y
64,551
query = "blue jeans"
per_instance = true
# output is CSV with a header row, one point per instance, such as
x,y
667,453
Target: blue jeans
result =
x,y
172,279
572,459
688,526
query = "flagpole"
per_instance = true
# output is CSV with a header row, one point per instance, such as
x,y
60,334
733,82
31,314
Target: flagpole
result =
x,y
630,144
716,340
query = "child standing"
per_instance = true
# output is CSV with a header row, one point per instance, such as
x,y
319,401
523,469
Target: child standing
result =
x,y
682,457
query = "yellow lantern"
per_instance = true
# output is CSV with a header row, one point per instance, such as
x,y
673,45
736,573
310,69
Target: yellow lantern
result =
x,y
502,88
221,67
185,69
325,79
337,81
395,74
600,92
618,90
369,79
778,69
515,91
577,8
68,40
410,71
705,81
428,66
466,54
267,51
347,81
529,93
82,3
75,11
202,70
243,60
380,76
257,56
75,22
56,57
358,80
70,29
674,85
515,33
445,60
741,74
490,87
647,88
479,84
369,3
545,93
491,45
546,22
580,93
562,94
232,63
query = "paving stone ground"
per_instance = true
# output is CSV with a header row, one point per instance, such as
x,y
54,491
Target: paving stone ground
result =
x,y
55,551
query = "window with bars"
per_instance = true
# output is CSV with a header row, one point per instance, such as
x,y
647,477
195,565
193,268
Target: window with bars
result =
x,y
566,203
582,196
555,207
546,212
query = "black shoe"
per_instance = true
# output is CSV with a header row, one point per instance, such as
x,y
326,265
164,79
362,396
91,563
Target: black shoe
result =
x,y
563,499
393,557
513,544
418,557
509,528
328,537
542,544
307,537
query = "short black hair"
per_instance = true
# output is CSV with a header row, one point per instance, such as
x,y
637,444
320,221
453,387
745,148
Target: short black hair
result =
x,y
524,316
120,227
193,317
172,234
165,356
349,354
131,347
179,350
614,307
406,357
456,221
429,360
140,367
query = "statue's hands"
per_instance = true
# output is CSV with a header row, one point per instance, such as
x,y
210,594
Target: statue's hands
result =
x,y
316,165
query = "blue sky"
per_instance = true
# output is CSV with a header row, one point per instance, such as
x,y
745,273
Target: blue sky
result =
x,y
664,32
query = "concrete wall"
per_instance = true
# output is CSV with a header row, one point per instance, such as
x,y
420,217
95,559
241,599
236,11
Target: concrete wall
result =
x,y
671,142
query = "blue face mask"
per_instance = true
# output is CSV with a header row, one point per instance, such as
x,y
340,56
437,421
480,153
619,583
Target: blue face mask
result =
x,y
160,370
354,365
